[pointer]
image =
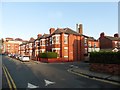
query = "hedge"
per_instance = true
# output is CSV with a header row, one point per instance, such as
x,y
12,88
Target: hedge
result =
x,y
48,55
105,57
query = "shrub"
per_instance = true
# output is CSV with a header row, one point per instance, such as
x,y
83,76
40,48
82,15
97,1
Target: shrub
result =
x,y
48,55
105,57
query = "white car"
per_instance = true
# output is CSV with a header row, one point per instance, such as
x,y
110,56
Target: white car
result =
x,y
24,58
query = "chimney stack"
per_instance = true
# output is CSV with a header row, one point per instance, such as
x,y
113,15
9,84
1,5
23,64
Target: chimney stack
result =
x,y
80,29
52,30
116,35
39,35
102,34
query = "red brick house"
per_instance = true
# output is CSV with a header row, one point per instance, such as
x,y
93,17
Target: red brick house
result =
x,y
31,47
37,45
109,42
23,50
11,45
66,42
69,44
93,44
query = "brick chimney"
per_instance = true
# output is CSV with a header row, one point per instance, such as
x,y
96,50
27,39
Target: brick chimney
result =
x,y
52,30
39,35
116,35
102,34
31,39
80,29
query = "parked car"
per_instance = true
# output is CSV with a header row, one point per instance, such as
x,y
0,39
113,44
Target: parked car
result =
x,y
16,56
24,58
9,55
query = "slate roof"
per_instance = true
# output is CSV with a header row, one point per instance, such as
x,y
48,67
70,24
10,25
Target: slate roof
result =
x,y
24,43
31,41
92,38
113,38
44,36
65,30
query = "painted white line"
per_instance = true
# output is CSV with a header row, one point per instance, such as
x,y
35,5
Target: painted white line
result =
x,y
115,83
32,86
73,66
47,82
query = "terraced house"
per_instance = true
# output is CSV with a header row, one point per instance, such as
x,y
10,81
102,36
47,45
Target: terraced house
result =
x,y
93,44
65,41
109,42
70,45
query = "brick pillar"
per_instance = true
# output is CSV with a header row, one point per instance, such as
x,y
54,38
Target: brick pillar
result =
x,y
62,45
82,48
78,51
70,47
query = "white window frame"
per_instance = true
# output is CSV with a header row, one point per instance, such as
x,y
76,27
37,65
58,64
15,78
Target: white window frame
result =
x,y
65,36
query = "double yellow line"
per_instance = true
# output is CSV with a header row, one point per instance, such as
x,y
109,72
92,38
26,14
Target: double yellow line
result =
x,y
10,81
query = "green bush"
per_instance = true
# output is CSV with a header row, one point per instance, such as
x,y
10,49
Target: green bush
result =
x,y
105,57
48,55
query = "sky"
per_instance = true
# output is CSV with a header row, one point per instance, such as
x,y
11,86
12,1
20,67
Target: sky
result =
x,y
27,19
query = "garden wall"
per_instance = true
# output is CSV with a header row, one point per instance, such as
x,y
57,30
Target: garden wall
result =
x,y
106,68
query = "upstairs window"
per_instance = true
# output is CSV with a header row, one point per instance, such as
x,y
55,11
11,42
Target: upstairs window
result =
x,y
116,44
89,45
50,40
94,45
42,42
53,40
57,40
65,39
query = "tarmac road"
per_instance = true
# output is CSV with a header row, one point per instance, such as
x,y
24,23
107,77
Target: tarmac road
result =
x,y
44,75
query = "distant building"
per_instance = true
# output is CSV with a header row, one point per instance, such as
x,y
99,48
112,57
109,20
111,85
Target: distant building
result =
x,y
66,42
93,45
11,46
109,42
22,48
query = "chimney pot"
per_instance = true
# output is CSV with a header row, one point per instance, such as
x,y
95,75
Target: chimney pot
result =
x,y
116,35
102,34
39,35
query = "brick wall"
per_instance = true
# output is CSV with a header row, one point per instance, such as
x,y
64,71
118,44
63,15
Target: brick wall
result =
x,y
106,68
105,43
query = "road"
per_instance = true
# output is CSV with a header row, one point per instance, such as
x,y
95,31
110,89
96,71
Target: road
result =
x,y
45,75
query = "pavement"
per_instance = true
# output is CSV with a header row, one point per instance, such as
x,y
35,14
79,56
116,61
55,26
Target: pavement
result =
x,y
84,69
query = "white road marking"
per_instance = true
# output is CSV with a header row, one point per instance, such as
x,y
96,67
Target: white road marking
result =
x,y
32,86
47,82
73,66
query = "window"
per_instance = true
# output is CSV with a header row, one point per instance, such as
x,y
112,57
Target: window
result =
x,y
89,45
115,43
53,40
42,42
50,40
85,40
65,39
47,42
94,45
57,40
